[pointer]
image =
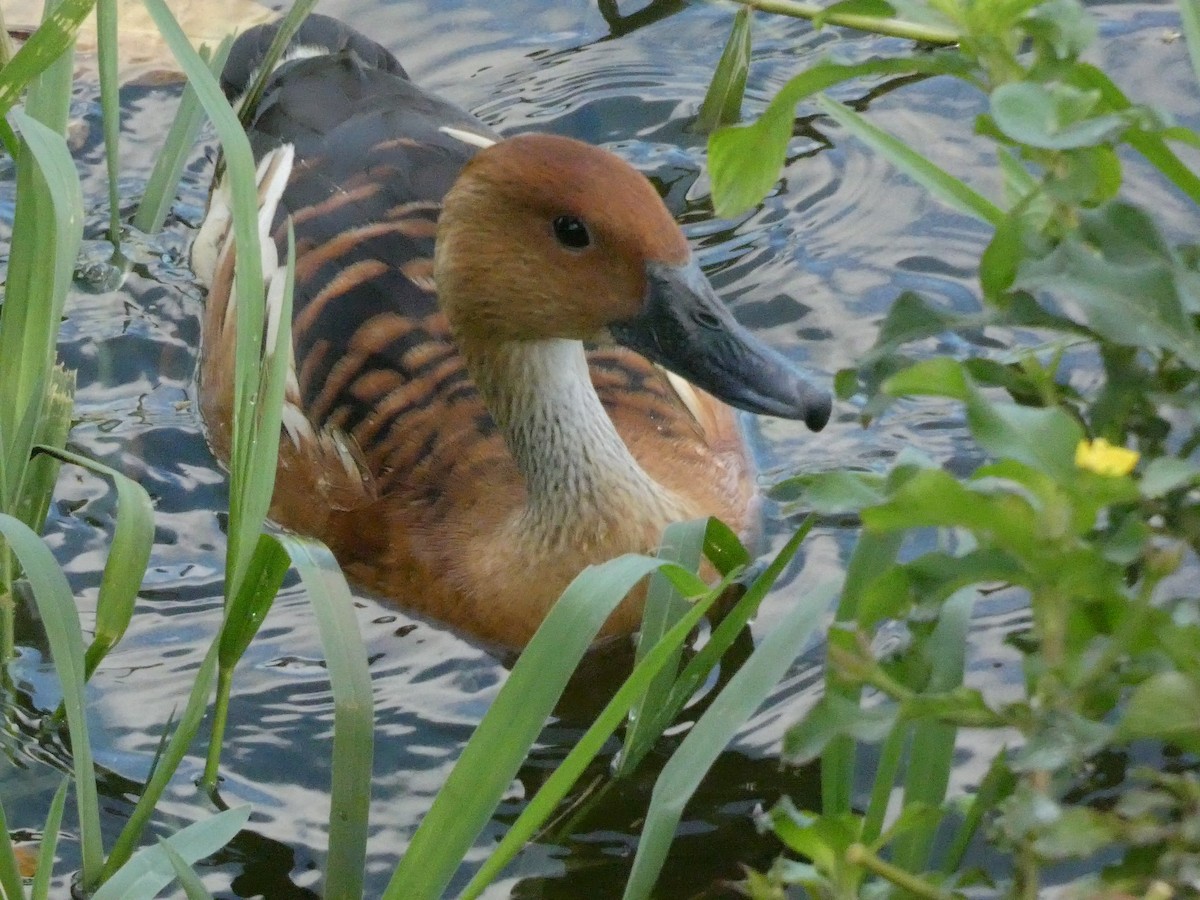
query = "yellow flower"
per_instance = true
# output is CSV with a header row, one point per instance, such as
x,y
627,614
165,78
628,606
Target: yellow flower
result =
x,y
1103,458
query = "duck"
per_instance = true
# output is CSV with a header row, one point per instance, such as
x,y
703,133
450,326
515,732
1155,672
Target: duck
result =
x,y
507,363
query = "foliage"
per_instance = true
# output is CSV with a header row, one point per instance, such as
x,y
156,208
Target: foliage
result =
x,y
1086,503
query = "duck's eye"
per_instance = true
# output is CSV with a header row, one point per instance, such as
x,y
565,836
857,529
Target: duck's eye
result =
x,y
571,232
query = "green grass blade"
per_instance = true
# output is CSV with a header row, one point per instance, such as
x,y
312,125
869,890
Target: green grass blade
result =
x,y
353,717
698,668
12,886
44,47
743,694
723,101
149,871
657,660
681,543
193,887
872,555
49,214
244,615
247,493
500,744
931,755
168,763
108,51
1189,13
128,556
891,755
163,183
56,605
40,889
52,426
288,27
950,190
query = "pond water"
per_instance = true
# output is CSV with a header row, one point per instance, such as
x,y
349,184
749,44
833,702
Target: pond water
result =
x,y
813,270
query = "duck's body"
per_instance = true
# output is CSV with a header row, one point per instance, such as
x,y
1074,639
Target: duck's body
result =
x,y
466,471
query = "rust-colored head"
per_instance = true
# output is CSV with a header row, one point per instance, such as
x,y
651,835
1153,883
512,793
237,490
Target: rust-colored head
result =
x,y
545,236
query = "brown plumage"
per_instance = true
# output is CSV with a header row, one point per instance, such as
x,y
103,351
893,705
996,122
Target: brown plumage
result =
x,y
466,459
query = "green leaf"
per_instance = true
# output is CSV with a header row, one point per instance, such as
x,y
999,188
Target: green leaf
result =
x,y
150,870
1053,116
1165,474
192,886
1045,439
353,713
40,889
744,161
1164,707
128,556
167,764
1125,283
657,661
723,101
836,716
246,610
938,377
163,183
832,493
500,743
1189,14
743,694
56,606
868,8
1063,25
11,884
681,544
47,43
823,839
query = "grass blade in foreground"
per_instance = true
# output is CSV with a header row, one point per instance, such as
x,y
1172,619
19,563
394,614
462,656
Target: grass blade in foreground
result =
x,y
723,101
353,714
56,605
249,497
500,744
937,181
163,183
46,44
40,889
128,556
168,763
149,871
745,693
681,543
192,886
555,788
11,885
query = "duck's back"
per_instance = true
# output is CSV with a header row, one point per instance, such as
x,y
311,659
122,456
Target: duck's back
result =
x,y
388,452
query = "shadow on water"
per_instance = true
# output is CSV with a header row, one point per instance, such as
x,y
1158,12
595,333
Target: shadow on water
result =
x,y
812,269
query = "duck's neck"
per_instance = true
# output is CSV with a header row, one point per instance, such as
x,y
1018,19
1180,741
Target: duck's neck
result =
x,y
581,480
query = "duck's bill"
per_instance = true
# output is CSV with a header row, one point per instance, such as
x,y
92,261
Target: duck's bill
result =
x,y
685,327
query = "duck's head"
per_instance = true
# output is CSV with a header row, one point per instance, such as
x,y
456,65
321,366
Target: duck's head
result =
x,y
547,237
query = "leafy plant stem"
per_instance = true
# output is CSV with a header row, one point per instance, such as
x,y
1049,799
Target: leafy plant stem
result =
x,y
874,24
212,761
861,855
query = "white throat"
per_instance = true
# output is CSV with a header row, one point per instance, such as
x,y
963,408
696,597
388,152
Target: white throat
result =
x,y
580,476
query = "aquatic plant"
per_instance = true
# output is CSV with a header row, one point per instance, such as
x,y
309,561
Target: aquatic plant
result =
x,y
1086,503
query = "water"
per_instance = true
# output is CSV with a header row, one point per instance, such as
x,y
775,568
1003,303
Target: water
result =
x,y
813,270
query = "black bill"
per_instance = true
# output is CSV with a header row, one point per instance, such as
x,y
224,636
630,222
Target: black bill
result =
x,y
686,328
